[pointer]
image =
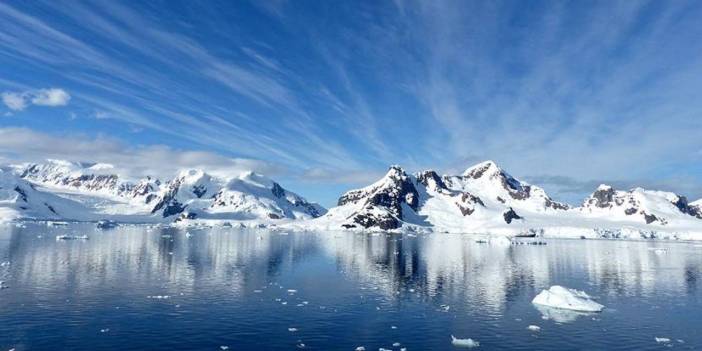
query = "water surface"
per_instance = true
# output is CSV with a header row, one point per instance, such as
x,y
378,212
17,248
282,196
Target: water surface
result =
x,y
140,288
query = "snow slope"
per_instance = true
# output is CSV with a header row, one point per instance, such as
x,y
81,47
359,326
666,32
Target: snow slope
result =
x,y
486,199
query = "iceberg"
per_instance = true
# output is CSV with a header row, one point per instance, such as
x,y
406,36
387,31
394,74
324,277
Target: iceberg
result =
x,y
567,299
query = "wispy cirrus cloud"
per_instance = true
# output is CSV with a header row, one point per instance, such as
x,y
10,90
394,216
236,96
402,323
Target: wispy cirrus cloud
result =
x,y
605,91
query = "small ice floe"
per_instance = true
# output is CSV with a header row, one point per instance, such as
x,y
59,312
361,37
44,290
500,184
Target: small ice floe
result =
x,y
292,330
104,330
3,285
469,343
393,327
568,299
284,303
658,250
188,235
71,237
662,340
360,348
444,308
5,264
258,291
283,233
292,291
301,345
396,344
534,328
224,347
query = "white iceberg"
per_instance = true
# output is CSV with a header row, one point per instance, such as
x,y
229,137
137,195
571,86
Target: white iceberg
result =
x,y
534,328
469,343
567,299
559,315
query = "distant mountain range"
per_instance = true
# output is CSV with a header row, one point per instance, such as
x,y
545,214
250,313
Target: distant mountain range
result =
x,y
483,199
80,191
486,199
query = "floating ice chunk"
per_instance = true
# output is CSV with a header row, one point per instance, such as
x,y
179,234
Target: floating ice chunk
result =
x,y
301,345
568,299
393,327
662,340
292,330
158,297
396,344
224,347
469,343
5,264
534,328
188,235
71,237
292,291
104,330
360,348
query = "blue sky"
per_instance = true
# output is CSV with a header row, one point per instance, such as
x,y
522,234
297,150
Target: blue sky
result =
x,y
324,95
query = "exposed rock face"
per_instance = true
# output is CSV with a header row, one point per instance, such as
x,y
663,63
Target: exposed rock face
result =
x,y
690,209
382,201
510,215
467,202
603,197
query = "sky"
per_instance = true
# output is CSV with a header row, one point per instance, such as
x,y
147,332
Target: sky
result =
x,y
324,95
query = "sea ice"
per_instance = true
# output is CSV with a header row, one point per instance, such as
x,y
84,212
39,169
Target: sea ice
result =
x,y
534,328
568,299
469,343
360,348
662,340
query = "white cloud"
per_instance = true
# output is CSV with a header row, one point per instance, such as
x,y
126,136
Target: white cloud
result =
x,y
18,101
130,161
51,97
14,101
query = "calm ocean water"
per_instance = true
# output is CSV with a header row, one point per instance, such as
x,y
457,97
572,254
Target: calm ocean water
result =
x,y
135,288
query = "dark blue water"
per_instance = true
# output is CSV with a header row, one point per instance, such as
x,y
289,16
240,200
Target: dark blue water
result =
x,y
230,288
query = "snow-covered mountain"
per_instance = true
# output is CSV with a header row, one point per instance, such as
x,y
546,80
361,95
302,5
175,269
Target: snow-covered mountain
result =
x,y
638,204
20,199
88,191
195,194
486,199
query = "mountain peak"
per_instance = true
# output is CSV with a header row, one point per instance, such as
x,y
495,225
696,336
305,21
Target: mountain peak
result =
x,y
478,170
